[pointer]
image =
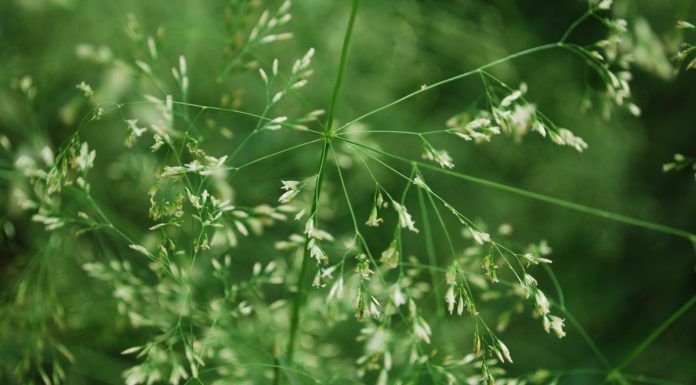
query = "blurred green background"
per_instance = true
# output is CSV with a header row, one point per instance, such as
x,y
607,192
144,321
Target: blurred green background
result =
x,y
620,281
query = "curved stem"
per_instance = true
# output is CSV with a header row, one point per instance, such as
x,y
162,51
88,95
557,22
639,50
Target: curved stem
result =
x,y
575,24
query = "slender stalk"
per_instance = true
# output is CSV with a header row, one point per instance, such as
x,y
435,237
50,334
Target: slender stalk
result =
x,y
540,197
557,286
430,251
257,160
306,257
575,24
451,79
300,296
656,333
342,66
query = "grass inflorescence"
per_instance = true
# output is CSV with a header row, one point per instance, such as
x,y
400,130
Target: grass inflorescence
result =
x,y
359,268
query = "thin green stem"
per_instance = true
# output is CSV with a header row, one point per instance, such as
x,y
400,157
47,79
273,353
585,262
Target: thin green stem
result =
x,y
342,66
306,257
359,236
556,285
450,80
540,197
430,250
431,132
275,154
656,333
575,24
300,296
585,336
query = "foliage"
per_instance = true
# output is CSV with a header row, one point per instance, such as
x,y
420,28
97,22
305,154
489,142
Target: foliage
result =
x,y
192,203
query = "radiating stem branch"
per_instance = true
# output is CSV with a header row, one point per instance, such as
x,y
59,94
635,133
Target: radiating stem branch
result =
x,y
540,197
451,79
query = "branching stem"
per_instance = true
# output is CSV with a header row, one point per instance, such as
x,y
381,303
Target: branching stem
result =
x,y
300,295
